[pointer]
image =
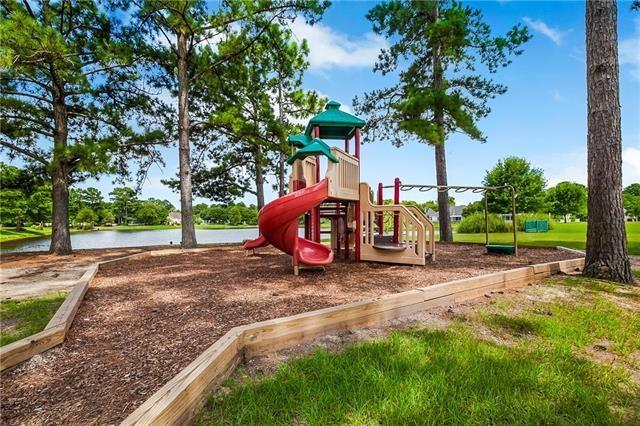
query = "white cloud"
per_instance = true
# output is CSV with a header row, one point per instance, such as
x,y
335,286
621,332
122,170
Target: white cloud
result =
x,y
554,34
331,49
557,96
572,166
629,51
631,165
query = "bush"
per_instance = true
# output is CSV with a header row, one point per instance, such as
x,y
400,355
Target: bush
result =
x,y
86,218
474,224
521,218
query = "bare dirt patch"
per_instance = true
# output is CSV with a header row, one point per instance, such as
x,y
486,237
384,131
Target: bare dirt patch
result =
x,y
143,320
24,275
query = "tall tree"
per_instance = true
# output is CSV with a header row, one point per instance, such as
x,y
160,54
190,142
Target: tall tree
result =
x,y
70,89
187,28
567,198
439,91
249,108
292,103
528,181
123,203
21,194
607,253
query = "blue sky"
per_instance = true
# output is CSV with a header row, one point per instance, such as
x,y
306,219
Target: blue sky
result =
x,y
542,117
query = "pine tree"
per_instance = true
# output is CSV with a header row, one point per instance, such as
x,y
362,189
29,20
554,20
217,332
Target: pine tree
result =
x,y
439,91
248,108
185,29
607,253
70,89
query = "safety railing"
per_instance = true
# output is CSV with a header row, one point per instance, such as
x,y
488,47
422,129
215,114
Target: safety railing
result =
x,y
411,245
344,176
303,170
422,217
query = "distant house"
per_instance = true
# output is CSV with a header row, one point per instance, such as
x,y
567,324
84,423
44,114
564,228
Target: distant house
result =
x,y
432,215
455,214
174,218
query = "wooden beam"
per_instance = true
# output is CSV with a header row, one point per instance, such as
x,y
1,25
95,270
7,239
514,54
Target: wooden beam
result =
x,y
178,401
67,311
23,349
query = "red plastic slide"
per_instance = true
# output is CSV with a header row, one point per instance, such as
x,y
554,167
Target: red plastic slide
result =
x,y
278,223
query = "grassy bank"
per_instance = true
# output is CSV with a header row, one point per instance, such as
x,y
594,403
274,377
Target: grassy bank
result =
x,y
573,235
22,318
11,234
565,356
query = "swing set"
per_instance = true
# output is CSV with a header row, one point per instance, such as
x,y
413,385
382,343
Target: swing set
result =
x,y
491,248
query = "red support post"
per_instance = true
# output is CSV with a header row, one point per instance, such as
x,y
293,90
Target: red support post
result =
x,y
358,236
316,210
380,214
396,216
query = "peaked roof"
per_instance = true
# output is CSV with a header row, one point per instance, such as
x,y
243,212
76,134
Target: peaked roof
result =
x,y
300,140
316,147
334,124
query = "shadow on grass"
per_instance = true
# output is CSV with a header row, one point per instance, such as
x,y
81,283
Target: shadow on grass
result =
x,y
516,326
427,377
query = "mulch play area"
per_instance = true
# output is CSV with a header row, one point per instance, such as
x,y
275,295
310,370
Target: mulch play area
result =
x,y
145,319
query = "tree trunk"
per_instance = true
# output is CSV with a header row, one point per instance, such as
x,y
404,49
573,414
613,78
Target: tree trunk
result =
x,y
444,219
188,228
282,171
607,256
282,155
60,235
257,158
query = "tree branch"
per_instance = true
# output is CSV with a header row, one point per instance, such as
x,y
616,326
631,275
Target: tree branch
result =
x,y
24,152
28,95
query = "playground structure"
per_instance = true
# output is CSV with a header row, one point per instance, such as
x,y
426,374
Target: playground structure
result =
x,y
356,222
491,248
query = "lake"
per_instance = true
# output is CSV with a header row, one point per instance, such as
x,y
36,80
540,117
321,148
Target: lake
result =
x,y
111,239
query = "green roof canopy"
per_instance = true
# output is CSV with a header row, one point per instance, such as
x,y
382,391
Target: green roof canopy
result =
x,y
300,140
316,147
334,124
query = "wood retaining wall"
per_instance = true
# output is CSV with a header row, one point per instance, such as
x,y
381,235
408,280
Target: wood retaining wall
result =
x,y
56,330
180,399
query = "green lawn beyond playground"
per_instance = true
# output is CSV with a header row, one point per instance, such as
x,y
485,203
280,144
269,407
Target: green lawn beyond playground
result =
x,y
571,235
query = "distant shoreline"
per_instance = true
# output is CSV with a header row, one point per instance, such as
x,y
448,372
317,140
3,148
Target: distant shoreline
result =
x,y
11,235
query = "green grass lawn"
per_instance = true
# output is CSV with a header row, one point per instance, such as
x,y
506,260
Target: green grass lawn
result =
x,y
562,360
10,234
22,318
571,235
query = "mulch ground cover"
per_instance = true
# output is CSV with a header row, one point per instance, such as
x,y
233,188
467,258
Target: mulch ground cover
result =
x,y
145,319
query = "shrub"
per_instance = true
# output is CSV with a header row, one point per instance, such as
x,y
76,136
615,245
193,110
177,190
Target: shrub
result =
x,y
521,218
86,218
474,224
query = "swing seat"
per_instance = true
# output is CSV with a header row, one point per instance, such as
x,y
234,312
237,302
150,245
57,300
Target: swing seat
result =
x,y
501,248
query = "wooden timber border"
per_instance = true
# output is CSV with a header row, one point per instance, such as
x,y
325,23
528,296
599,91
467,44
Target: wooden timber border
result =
x,y
56,330
180,399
